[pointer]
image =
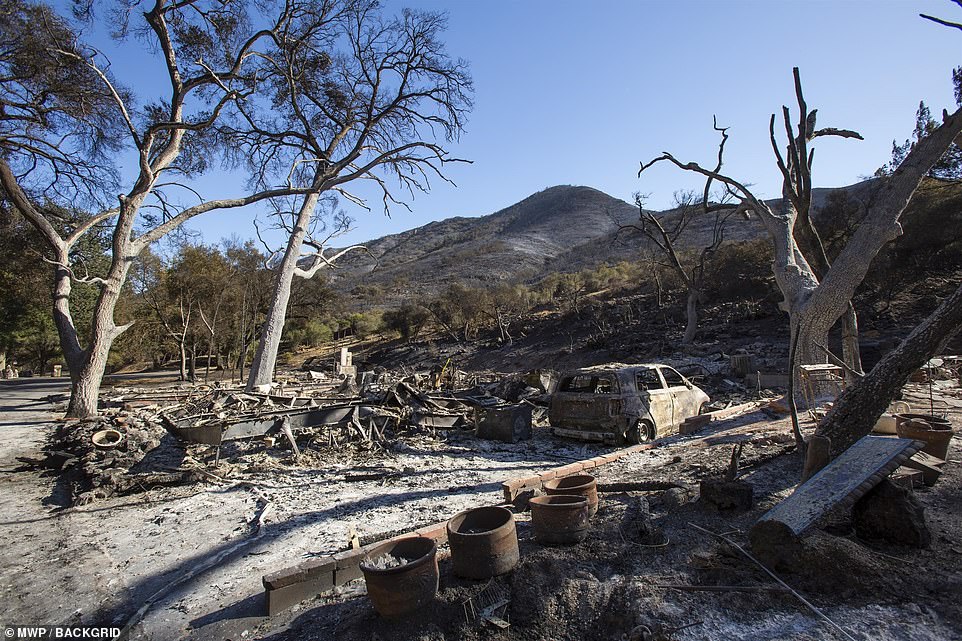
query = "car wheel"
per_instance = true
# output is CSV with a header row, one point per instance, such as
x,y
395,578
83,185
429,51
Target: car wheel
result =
x,y
640,432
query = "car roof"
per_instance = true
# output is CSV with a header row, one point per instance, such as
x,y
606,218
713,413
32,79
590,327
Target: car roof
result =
x,y
613,367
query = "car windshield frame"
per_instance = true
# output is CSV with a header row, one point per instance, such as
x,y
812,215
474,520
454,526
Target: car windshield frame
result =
x,y
682,383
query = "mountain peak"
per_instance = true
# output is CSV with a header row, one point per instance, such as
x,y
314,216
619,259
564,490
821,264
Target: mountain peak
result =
x,y
562,227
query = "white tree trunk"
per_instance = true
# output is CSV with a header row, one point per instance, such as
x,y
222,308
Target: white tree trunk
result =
x,y
87,367
813,306
265,358
183,359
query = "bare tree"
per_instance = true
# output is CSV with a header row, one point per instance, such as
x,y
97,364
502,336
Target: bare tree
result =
x,y
356,96
816,302
856,411
667,240
78,119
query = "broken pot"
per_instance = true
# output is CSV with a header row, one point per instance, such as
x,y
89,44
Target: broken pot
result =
x,y
578,484
559,518
402,576
484,542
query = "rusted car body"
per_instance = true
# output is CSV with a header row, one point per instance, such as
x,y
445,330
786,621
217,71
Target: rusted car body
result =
x,y
615,403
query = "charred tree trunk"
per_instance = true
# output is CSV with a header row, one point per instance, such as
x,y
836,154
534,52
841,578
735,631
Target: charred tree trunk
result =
x,y
658,292
691,314
860,406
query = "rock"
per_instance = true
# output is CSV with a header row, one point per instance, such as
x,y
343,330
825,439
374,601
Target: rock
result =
x,y
726,495
674,498
891,513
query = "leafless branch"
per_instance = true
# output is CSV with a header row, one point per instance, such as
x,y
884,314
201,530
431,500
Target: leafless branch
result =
x,y
841,133
944,23
88,279
321,261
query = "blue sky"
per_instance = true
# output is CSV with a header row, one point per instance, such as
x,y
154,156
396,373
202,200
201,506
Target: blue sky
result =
x,y
574,92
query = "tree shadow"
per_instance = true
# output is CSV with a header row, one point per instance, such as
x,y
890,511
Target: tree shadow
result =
x,y
58,514
251,607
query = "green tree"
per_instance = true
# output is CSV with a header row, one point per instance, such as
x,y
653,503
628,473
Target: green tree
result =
x,y
949,167
36,338
408,320
25,292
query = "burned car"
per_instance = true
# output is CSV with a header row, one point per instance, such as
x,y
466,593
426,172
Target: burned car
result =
x,y
633,403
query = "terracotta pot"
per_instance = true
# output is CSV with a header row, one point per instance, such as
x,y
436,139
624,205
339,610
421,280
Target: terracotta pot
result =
x,y
577,485
559,518
403,588
484,542
936,440
936,422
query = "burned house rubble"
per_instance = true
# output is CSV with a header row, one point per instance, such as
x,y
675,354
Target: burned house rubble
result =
x,y
144,436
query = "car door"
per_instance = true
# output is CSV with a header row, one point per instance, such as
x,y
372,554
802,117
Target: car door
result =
x,y
655,398
682,396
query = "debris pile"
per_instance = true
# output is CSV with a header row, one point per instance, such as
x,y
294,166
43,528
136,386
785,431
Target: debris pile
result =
x,y
169,436
94,467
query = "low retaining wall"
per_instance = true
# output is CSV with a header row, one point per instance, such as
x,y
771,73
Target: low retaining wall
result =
x,y
513,487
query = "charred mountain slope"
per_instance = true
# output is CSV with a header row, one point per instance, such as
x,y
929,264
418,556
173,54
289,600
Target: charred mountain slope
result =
x,y
569,228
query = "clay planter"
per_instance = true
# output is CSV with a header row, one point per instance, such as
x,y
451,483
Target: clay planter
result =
x,y
484,542
936,422
559,518
407,587
576,485
936,439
